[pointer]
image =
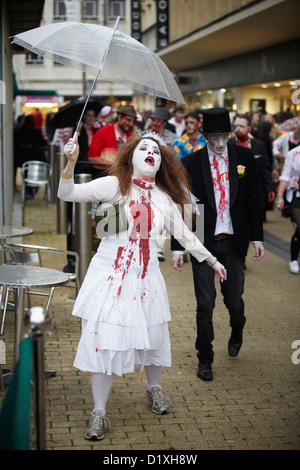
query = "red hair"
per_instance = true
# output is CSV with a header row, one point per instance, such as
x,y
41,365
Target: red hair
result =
x,y
170,178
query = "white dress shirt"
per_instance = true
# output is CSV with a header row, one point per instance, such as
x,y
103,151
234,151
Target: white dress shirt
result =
x,y
220,176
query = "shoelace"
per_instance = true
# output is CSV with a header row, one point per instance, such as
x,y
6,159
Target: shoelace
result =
x,y
159,399
98,421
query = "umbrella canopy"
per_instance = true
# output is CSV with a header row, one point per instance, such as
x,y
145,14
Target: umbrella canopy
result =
x,y
291,124
69,114
91,47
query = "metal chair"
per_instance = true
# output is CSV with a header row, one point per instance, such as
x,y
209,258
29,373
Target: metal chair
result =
x,y
36,174
18,253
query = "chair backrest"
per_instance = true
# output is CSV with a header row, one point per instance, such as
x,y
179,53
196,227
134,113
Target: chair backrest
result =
x,y
17,255
36,171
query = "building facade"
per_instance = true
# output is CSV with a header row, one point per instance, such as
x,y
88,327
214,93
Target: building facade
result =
x,y
242,54
38,73
239,53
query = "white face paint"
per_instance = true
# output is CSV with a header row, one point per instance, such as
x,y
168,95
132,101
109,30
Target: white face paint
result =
x,y
217,143
146,159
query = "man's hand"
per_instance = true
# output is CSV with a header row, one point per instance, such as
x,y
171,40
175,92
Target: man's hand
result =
x,y
271,196
259,251
177,261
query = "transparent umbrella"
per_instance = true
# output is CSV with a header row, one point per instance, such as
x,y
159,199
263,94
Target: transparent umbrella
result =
x,y
106,52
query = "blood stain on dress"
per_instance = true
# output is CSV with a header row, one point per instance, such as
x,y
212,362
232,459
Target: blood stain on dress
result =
x,y
143,216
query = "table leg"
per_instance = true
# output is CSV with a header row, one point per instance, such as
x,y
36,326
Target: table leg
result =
x,y
19,322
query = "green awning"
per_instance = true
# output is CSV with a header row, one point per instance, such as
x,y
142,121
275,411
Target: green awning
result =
x,y
18,91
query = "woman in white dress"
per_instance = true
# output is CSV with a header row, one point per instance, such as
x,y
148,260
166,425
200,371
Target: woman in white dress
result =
x,y
123,300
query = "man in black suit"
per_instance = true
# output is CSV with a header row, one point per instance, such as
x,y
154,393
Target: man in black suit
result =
x,y
265,181
223,178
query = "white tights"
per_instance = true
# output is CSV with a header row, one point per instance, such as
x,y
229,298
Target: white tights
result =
x,y
102,383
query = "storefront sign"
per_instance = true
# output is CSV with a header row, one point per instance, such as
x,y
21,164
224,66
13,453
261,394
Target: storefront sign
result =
x,y
162,23
39,99
136,19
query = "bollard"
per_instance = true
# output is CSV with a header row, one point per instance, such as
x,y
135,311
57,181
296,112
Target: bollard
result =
x,y
53,181
61,205
83,230
38,322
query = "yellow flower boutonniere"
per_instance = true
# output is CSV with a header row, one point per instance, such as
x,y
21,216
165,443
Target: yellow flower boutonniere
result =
x,y
241,171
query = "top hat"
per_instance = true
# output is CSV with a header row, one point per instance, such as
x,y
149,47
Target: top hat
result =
x,y
127,110
160,113
216,121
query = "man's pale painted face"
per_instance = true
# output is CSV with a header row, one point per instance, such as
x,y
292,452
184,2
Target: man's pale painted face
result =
x,y
217,143
146,159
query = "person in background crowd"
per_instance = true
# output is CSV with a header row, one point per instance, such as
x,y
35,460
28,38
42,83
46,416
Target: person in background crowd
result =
x,y
282,145
86,131
107,116
264,171
265,134
38,118
138,125
49,128
108,139
254,118
290,184
17,154
223,178
29,144
192,140
159,119
178,120
20,121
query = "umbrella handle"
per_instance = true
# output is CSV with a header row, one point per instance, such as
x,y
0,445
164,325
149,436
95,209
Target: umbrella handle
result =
x,y
75,137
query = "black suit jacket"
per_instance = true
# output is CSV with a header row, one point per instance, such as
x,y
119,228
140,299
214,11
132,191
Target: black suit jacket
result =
x,y
244,204
263,168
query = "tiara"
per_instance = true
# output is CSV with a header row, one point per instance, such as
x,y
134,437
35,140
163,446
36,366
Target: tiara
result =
x,y
155,137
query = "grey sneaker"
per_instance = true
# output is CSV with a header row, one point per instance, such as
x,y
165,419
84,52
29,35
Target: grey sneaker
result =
x,y
97,425
160,402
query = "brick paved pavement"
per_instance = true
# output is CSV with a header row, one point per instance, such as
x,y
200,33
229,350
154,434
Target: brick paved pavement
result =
x,y
253,401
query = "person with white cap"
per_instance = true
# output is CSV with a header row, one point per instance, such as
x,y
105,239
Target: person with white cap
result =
x,y
107,115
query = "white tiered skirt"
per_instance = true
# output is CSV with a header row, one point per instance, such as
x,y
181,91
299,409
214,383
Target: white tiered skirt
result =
x,y
125,310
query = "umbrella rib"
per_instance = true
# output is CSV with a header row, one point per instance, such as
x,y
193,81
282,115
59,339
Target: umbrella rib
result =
x,y
163,82
98,73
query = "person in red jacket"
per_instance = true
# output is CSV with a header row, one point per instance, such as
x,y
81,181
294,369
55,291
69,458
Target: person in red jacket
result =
x,y
107,140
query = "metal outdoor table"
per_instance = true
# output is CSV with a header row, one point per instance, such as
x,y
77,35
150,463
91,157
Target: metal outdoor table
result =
x,y
11,231
21,277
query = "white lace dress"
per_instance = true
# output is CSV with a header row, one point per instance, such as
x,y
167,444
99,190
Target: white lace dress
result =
x,y
123,299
